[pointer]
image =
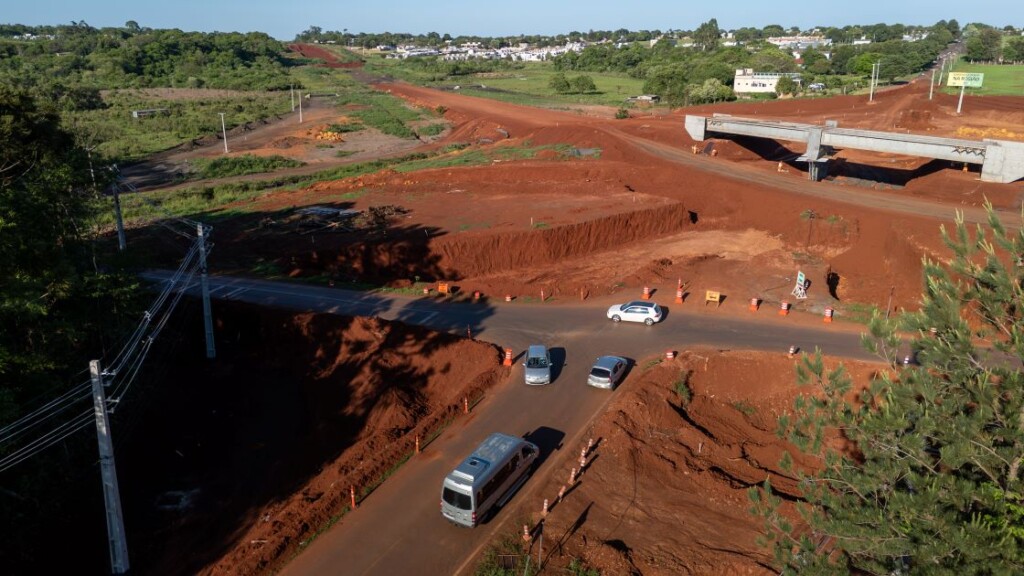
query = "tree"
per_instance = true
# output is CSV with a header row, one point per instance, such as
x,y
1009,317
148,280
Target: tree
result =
x,y
707,34
559,83
985,46
786,85
1013,52
583,84
920,471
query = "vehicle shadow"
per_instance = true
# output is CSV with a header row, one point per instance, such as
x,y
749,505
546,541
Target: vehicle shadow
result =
x,y
547,440
558,357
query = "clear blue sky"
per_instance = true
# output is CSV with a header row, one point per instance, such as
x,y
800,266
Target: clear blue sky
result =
x,y
284,19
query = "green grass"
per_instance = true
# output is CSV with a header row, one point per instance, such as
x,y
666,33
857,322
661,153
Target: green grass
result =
x,y
859,313
528,85
682,388
1000,80
122,138
226,166
431,129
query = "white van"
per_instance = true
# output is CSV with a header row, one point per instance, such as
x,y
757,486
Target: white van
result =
x,y
487,478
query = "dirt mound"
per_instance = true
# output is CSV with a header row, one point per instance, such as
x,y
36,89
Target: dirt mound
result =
x,y
665,491
297,408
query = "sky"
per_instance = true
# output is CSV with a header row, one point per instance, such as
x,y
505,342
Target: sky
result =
x,y
283,20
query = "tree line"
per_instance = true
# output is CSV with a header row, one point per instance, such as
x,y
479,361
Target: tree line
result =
x,y
70,64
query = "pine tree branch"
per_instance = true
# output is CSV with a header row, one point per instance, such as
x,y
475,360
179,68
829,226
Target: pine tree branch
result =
x,y
1015,467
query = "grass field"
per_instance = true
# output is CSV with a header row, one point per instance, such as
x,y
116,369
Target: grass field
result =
x,y
528,84
1000,80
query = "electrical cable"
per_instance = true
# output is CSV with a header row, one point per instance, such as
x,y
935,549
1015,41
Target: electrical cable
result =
x,y
51,409
45,441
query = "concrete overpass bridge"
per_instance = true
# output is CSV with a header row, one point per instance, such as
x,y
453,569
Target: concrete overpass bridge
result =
x,y
1000,160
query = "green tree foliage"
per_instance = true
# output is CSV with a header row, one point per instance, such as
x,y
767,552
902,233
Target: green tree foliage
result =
x,y
583,84
928,475
706,35
560,84
786,85
985,46
670,82
712,90
134,57
1013,51
57,309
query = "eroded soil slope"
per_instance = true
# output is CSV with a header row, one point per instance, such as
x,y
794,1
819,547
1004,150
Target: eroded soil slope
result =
x,y
665,490
244,458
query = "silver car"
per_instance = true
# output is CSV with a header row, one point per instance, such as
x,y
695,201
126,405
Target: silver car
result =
x,y
636,311
537,367
607,371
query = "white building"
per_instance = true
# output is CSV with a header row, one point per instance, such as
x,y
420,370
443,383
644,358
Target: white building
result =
x,y
749,82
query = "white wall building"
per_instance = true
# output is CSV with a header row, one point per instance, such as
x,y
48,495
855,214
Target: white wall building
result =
x,y
749,82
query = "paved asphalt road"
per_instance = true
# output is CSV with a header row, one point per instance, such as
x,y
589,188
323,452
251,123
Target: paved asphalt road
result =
x,y
399,529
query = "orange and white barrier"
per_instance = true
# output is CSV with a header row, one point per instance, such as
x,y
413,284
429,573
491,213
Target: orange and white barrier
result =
x,y
679,295
792,351
754,304
508,357
647,292
828,314
784,308
670,354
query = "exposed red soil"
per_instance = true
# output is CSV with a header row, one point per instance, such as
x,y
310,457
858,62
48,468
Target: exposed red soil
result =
x,y
315,402
590,226
665,490
328,59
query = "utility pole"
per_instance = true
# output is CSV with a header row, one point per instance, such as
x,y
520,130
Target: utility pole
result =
x,y
931,85
224,131
211,352
108,473
121,243
300,106
292,93
874,80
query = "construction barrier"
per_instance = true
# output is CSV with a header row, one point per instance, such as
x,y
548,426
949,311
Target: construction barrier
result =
x,y
679,296
754,303
792,351
426,291
647,292
508,297
670,354
508,357
784,308
476,295
828,314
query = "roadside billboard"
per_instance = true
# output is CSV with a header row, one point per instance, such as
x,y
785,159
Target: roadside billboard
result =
x,y
967,79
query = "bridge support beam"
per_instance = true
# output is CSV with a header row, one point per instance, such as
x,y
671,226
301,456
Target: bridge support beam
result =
x,y
1001,161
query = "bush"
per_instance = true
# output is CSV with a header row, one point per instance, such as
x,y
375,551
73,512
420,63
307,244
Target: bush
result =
x,y
621,114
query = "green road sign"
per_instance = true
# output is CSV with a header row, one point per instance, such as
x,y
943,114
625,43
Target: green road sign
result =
x,y
968,79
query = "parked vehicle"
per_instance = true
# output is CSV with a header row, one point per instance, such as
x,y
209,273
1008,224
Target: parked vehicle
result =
x,y
607,371
487,479
537,367
636,311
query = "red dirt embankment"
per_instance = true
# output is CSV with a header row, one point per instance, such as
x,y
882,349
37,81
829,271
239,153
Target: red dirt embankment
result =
x,y
267,440
665,489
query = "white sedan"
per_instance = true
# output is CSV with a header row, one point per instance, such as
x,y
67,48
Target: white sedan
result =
x,y
636,311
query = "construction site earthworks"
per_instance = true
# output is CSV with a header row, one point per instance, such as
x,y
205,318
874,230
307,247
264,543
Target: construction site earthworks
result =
x,y
588,210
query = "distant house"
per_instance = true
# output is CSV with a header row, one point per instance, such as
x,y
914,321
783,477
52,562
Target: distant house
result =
x,y
799,42
150,112
747,81
645,99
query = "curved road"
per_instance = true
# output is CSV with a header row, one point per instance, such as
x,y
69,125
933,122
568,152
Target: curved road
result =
x,y
399,529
